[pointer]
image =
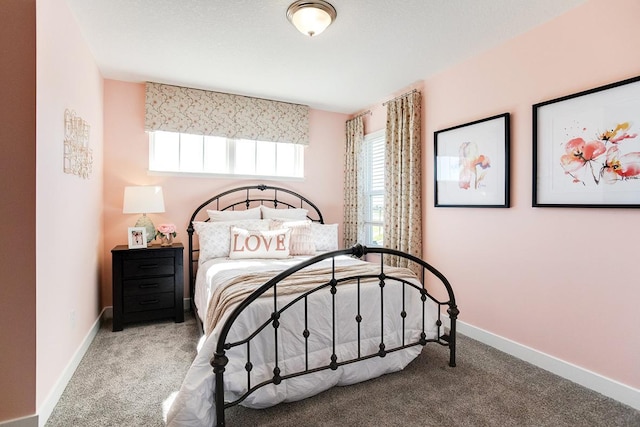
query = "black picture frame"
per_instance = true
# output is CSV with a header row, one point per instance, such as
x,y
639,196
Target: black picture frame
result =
x,y
472,165
586,148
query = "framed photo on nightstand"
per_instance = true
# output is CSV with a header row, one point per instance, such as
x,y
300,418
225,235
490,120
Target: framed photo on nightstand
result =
x,y
137,237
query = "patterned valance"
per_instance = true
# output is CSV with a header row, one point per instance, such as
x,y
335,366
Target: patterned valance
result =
x,y
201,112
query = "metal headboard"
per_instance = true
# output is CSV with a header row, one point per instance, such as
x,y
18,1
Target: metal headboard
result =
x,y
241,198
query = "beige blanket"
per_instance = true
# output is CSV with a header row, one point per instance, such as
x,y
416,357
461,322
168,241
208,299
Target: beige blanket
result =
x,y
237,288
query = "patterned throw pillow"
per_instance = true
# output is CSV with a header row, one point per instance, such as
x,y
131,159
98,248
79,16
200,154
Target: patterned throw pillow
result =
x,y
213,237
325,236
301,242
259,244
291,214
253,213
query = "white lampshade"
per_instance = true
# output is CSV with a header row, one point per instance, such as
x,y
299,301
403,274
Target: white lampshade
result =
x,y
143,200
311,17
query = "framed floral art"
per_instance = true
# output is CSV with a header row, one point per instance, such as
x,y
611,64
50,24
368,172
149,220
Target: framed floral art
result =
x,y
586,148
472,164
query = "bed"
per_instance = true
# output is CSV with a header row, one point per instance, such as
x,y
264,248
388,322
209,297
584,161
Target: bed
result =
x,y
284,326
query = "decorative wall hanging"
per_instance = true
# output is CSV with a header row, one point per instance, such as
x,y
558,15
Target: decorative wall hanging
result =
x,y
586,148
78,157
472,164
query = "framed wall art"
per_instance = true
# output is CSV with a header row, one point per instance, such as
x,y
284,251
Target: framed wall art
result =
x,y
137,237
472,164
586,148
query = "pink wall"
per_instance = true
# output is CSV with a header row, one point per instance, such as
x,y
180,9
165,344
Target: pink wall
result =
x,y
69,208
562,281
18,209
126,161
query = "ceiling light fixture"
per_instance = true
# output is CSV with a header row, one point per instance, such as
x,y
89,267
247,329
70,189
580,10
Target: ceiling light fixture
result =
x,y
311,17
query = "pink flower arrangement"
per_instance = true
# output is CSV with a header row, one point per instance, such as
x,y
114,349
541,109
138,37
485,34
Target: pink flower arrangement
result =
x,y
166,230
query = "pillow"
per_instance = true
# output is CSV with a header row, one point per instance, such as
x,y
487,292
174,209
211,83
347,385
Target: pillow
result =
x,y
271,213
325,236
213,237
259,244
301,241
253,213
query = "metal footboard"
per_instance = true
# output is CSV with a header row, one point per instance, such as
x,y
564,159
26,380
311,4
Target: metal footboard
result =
x,y
409,290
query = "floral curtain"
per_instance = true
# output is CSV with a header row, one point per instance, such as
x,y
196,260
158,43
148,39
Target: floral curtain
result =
x,y
353,183
201,112
403,178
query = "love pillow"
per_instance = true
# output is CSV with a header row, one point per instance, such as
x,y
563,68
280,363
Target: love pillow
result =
x,y
259,244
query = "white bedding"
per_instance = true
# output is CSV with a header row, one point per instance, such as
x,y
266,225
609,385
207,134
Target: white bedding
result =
x,y
193,405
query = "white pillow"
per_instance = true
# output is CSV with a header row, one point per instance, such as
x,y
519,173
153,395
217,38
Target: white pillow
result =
x,y
301,242
213,237
259,244
325,236
271,213
253,213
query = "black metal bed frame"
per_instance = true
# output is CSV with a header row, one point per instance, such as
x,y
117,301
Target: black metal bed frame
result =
x,y
244,198
409,290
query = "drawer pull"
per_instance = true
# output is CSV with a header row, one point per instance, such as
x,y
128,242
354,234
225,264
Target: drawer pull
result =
x,y
148,285
147,266
153,301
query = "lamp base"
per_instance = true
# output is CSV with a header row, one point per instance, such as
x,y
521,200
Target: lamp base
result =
x,y
145,221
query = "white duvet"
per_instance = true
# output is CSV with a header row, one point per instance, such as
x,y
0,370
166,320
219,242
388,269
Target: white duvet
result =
x,y
193,405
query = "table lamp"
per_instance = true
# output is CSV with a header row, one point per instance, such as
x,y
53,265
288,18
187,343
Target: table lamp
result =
x,y
144,200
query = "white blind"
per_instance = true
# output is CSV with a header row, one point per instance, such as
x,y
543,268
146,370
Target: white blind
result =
x,y
374,152
200,112
377,164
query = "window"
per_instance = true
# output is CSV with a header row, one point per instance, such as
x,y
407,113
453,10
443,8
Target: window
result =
x,y
374,188
181,152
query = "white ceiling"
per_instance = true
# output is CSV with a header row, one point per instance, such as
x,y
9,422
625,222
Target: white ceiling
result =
x,y
374,49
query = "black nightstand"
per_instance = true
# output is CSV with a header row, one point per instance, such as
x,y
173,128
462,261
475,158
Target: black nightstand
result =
x,y
147,284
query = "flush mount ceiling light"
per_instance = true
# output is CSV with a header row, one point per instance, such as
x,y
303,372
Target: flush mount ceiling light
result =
x,y
311,17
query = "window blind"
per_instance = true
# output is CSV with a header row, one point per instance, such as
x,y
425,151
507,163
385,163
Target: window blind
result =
x,y
200,112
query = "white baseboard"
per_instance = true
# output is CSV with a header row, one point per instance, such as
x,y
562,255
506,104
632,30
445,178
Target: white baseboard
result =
x,y
30,421
52,399
611,388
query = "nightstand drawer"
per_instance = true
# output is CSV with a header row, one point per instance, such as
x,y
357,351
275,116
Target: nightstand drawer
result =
x,y
144,267
148,302
151,285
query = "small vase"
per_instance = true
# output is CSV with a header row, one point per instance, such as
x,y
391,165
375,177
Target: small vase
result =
x,y
166,240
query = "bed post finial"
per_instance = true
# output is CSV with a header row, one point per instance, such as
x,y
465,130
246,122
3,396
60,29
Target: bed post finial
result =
x,y
358,250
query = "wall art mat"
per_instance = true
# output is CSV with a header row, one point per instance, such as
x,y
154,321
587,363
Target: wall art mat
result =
x,y
586,148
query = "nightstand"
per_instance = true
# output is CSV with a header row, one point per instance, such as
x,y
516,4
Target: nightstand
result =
x,y
147,284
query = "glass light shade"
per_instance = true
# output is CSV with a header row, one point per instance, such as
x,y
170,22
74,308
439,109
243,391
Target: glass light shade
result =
x,y
144,200
311,17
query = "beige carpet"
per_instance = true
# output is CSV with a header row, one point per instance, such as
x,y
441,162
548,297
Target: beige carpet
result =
x,y
125,377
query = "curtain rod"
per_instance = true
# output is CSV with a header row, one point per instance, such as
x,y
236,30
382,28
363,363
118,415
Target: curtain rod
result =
x,y
399,96
364,113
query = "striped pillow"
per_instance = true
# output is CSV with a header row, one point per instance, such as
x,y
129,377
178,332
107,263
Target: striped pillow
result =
x,y
301,240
